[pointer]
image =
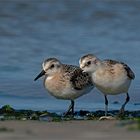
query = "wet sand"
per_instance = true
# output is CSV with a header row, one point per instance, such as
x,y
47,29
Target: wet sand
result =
x,y
68,130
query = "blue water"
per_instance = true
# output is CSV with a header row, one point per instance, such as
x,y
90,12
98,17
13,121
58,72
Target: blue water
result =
x,y
67,29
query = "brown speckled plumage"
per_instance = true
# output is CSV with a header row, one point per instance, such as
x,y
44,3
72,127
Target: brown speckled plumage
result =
x,y
78,78
130,73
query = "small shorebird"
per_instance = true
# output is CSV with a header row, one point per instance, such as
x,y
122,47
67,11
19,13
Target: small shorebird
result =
x,y
111,77
66,82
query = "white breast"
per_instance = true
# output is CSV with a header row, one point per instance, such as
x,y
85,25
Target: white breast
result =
x,y
111,83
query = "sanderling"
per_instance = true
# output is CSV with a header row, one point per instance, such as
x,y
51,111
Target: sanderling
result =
x,y
111,77
64,81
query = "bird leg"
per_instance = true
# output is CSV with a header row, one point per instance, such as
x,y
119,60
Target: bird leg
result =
x,y
121,112
70,109
106,105
106,110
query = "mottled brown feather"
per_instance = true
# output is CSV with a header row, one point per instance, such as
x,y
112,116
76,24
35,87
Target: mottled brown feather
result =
x,y
78,78
130,73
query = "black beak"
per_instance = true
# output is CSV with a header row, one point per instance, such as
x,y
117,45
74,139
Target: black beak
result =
x,y
40,75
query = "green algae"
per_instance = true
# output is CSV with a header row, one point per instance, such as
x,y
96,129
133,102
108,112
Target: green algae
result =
x,y
9,113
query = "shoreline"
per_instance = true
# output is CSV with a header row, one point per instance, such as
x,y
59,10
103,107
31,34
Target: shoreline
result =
x,y
9,113
42,125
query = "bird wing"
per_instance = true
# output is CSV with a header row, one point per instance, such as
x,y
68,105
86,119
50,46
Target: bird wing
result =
x,y
78,78
130,73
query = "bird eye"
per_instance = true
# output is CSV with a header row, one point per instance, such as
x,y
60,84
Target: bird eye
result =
x,y
52,66
89,62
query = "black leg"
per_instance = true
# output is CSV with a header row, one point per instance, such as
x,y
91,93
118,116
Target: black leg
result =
x,y
123,106
106,105
70,109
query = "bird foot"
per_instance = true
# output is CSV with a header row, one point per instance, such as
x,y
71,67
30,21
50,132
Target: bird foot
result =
x,y
107,118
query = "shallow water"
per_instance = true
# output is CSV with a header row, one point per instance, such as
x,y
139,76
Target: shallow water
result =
x,y
32,31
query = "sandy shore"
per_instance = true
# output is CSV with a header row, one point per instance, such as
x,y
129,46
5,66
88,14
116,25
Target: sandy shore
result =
x,y
68,130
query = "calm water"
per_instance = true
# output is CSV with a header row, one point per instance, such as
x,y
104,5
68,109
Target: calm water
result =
x,y
67,29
